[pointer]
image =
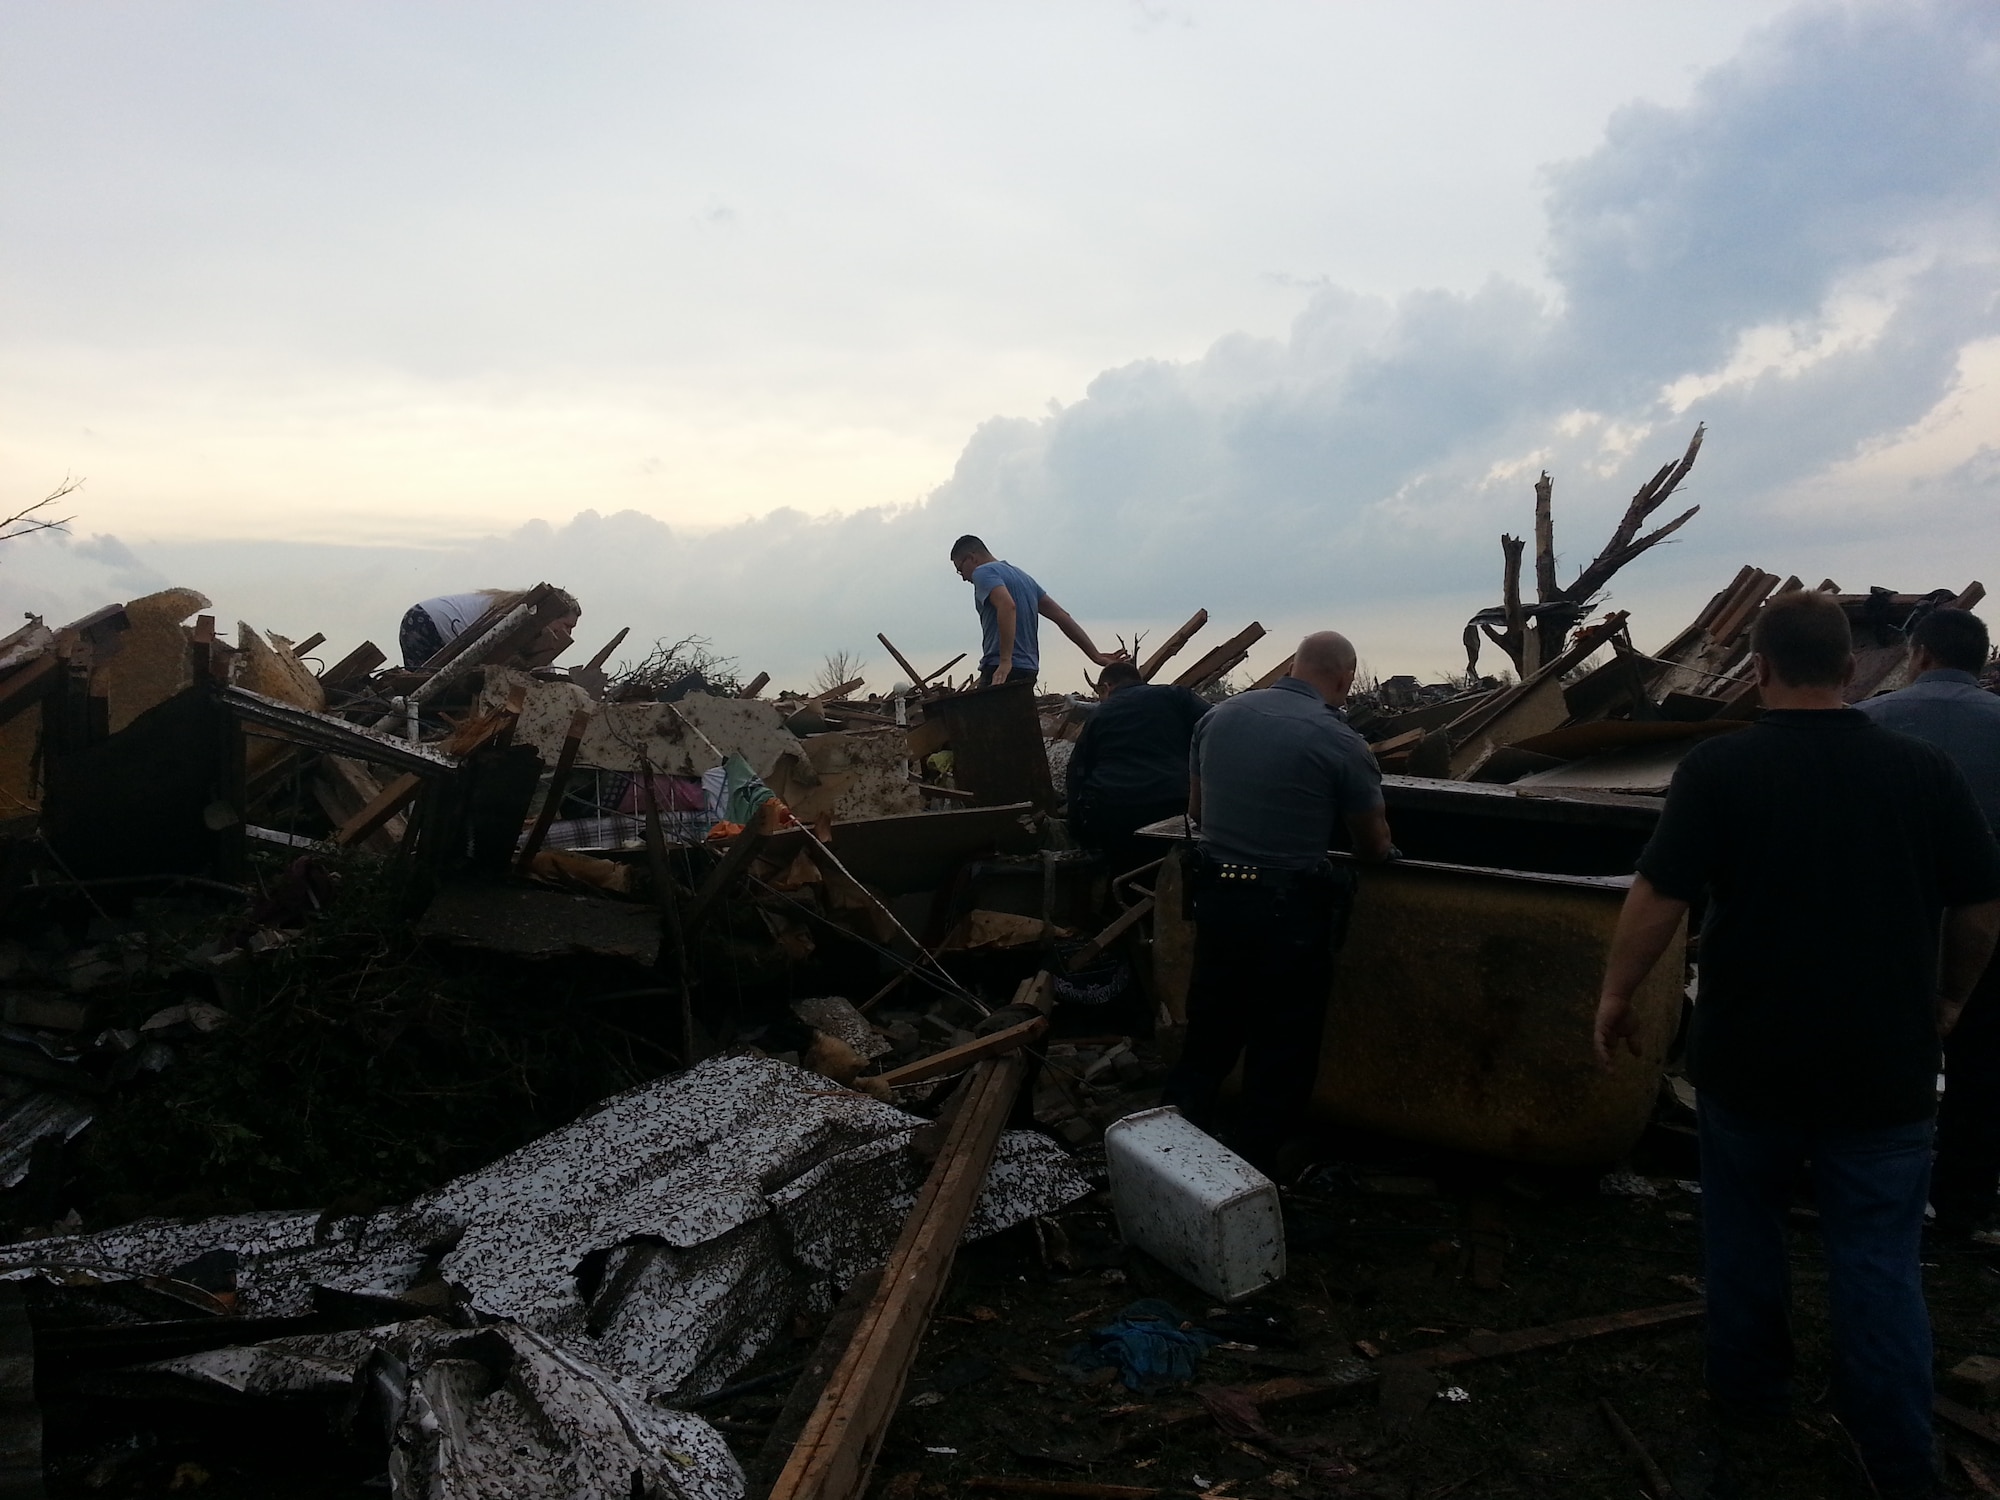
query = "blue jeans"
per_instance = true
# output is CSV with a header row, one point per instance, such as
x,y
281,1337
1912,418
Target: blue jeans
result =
x,y
1870,1188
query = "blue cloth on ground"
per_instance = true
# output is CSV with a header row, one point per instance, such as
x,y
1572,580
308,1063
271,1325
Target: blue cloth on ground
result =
x,y
1147,1346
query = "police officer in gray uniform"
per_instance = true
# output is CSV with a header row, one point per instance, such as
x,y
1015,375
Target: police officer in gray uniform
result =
x,y
1277,778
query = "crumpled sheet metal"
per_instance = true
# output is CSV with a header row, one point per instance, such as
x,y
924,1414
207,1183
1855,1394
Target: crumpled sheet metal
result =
x,y
495,1413
669,1236
46,1112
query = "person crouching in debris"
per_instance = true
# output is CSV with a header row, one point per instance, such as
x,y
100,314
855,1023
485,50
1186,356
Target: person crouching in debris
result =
x,y
1833,855
1011,607
1277,778
1945,705
432,625
1130,764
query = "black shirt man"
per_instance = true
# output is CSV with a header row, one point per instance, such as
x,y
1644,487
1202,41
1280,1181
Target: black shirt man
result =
x,y
1277,778
1834,855
1130,765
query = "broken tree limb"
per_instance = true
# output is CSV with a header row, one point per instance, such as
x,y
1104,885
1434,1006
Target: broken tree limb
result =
x,y
836,1452
558,784
1170,647
1513,637
901,660
954,1059
1222,658
1626,543
1545,540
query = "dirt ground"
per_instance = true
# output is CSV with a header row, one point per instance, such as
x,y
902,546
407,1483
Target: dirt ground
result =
x,y
1389,1245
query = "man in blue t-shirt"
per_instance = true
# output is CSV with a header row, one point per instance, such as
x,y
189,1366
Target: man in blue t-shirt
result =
x,y
1011,606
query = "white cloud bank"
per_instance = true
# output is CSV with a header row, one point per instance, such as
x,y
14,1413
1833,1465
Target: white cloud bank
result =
x,y
1804,256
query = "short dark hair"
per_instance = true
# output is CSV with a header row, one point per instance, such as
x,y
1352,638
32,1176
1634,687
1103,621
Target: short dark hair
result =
x,y
1805,637
1956,637
1118,673
968,543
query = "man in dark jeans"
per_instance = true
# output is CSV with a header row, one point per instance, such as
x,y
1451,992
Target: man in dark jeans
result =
x,y
1853,896
1945,705
1130,765
1277,779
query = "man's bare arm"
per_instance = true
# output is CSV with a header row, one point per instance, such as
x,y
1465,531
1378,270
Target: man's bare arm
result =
x,y
1066,623
1369,832
1006,615
1646,926
1967,945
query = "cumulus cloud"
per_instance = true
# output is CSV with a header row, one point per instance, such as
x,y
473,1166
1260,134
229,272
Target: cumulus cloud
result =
x,y
1801,255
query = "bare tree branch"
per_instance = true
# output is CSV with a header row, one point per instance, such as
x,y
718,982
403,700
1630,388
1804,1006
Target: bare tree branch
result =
x,y
26,522
1622,547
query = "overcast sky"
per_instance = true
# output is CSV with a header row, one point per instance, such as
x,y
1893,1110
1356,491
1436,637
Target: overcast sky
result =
x,y
729,318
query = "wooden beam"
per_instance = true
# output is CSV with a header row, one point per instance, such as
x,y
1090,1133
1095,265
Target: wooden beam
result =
x,y
836,1452
926,681
956,1059
352,667
1173,644
1058,1489
558,784
1085,956
398,794
901,660
733,866
755,685
1282,669
1222,658
310,643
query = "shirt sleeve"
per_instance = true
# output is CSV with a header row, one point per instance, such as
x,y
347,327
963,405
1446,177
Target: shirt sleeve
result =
x,y
1080,757
1194,749
1686,843
985,579
1968,859
1358,777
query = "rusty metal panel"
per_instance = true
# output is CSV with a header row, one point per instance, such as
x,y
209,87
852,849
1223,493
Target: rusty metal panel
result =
x,y
1461,1013
1462,1010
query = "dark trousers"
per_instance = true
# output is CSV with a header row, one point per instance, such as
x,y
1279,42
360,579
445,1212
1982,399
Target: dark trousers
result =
x,y
986,676
1967,1175
1869,1187
1110,828
1263,961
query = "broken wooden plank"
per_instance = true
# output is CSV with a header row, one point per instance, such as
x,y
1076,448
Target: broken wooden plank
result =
x,y
1965,1419
1654,1476
1085,956
1172,645
931,677
353,667
558,784
1282,669
755,685
804,1396
916,680
1058,1489
955,1059
733,866
1222,658
1479,1346
836,1452
398,794
311,643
